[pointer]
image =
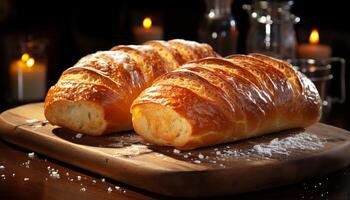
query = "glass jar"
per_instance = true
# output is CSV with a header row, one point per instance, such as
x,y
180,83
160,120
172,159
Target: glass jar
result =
x,y
271,29
218,27
328,75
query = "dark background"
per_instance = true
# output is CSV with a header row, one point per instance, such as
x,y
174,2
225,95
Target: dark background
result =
x,y
76,28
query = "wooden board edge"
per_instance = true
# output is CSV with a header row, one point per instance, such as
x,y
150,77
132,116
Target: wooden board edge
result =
x,y
7,128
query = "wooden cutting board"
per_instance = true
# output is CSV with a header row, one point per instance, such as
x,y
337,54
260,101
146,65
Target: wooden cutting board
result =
x,y
269,161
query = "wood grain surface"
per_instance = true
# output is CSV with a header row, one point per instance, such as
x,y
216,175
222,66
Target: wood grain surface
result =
x,y
243,166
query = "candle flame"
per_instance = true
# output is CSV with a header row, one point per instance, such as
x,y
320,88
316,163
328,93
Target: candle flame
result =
x,y
314,37
25,57
147,23
27,60
30,62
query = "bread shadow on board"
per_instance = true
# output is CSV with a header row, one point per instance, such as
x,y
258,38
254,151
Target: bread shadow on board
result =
x,y
128,138
113,140
116,140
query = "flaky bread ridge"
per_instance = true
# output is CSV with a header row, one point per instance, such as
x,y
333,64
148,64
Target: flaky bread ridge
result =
x,y
94,96
218,100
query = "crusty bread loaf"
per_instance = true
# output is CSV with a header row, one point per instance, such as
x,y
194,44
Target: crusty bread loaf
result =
x,y
94,96
217,100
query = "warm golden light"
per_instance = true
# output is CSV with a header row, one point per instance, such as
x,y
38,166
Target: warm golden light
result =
x,y
314,37
25,57
27,60
147,23
30,62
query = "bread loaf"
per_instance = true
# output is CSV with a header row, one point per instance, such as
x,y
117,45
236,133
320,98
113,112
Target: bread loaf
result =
x,y
216,100
94,96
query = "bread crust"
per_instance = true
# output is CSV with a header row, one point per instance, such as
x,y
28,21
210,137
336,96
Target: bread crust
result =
x,y
217,100
94,96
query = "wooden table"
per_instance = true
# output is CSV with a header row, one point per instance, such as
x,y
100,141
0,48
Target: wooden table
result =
x,y
28,176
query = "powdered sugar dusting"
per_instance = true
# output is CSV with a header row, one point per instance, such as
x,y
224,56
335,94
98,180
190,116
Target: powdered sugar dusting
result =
x,y
302,141
142,47
31,120
123,59
273,149
191,44
132,150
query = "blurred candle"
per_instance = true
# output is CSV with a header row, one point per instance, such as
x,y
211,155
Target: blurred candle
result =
x,y
314,50
147,31
28,79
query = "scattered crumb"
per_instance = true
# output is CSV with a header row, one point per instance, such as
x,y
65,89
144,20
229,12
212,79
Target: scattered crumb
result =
x,y
31,155
13,174
2,167
117,187
79,135
103,180
177,151
185,156
83,189
26,164
53,172
94,181
109,190
197,161
79,178
67,174
200,156
26,179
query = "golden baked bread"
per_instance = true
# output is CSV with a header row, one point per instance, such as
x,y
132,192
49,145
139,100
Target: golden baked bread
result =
x,y
94,96
216,100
